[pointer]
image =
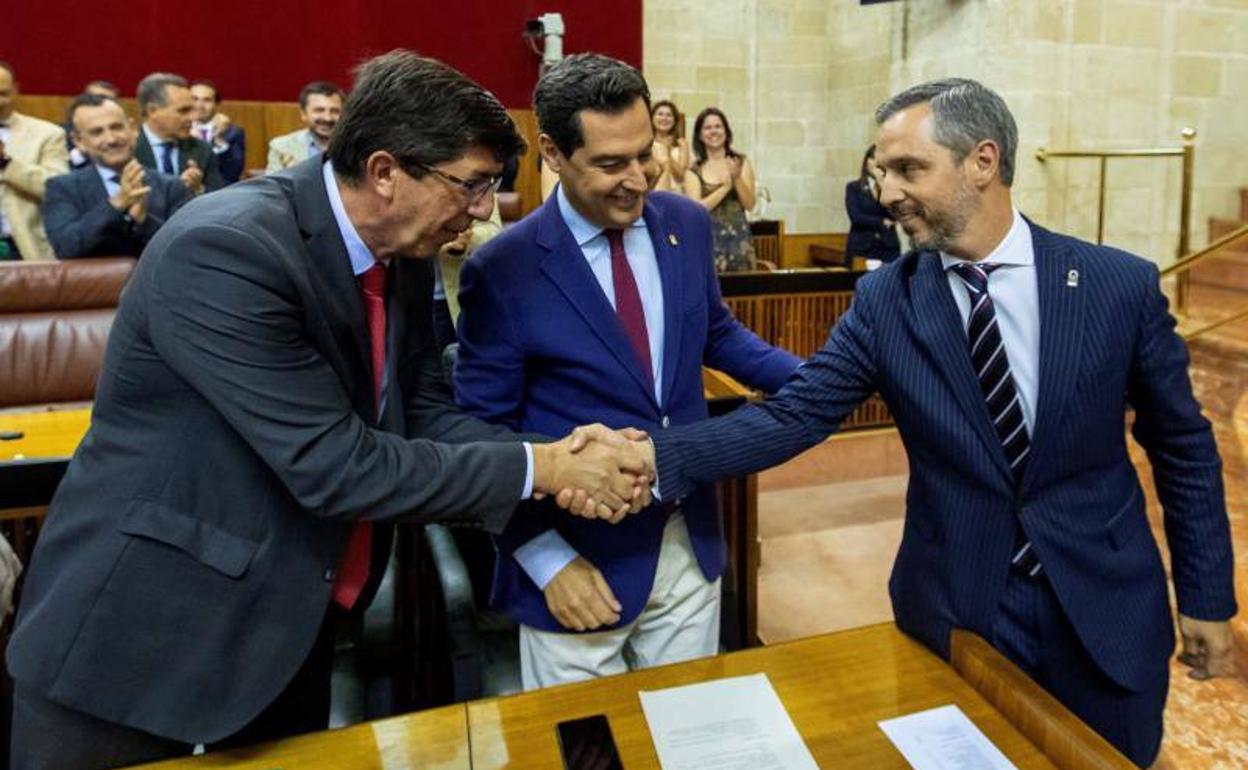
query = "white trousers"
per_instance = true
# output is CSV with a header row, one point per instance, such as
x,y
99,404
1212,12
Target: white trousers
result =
x,y
679,622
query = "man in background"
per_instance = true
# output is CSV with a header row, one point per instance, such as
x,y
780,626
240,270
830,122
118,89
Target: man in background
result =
x,y
113,206
165,141
31,152
228,141
320,105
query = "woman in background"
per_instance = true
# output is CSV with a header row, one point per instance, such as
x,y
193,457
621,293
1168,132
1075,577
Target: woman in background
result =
x,y
671,150
871,231
722,180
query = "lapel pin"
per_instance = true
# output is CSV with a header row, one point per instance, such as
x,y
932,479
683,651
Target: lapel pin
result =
x,y
671,238
1072,279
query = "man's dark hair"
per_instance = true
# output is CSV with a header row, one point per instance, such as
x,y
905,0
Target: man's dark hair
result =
x,y
420,111
699,146
964,113
584,81
106,84
216,93
86,100
153,90
319,87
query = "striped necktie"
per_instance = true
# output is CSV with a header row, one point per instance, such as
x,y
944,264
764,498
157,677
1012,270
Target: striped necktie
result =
x,y
992,368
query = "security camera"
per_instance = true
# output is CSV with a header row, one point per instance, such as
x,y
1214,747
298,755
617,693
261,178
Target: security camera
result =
x,y
549,27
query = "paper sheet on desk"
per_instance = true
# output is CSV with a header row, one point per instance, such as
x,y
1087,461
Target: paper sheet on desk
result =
x,y
944,739
728,724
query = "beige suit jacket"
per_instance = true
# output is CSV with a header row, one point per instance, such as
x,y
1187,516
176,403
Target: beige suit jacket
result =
x,y
37,151
295,144
449,263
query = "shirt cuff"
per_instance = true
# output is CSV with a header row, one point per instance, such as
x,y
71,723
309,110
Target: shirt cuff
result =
x,y
544,556
220,149
528,472
655,491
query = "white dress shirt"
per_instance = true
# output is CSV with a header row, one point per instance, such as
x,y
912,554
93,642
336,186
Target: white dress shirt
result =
x,y
362,259
545,555
158,153
1016,299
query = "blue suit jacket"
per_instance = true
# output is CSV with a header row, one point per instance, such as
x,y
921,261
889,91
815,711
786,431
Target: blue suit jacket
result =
x,y
1107,343
542,350
80,221
230,162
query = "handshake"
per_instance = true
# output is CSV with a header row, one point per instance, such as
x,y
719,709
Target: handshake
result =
x,y
596,472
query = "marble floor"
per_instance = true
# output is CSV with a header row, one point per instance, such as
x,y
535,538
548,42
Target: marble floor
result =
x,y
830,522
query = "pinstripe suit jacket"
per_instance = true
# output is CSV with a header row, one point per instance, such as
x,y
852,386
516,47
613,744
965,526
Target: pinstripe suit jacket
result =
x,y
1107,345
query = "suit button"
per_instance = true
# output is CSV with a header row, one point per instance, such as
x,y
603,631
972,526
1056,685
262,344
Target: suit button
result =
x,y
666,422
330,574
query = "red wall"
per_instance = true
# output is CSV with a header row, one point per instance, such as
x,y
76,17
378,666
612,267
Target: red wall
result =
x,y
268,50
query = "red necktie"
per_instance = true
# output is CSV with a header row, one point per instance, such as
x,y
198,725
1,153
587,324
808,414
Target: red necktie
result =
x,y
353,571
628,302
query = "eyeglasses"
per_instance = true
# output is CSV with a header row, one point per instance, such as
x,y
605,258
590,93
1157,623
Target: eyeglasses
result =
x,y
474,190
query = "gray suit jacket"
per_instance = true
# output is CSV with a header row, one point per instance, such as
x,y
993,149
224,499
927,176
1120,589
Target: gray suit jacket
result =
x,y
82,223
189,554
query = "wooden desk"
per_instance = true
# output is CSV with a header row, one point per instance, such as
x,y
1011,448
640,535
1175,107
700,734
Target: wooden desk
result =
x,y
49,435
436,739
835,688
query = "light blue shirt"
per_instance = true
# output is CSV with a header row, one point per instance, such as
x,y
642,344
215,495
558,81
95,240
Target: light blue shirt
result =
x,y
107,176
158,152
1016,299
362,260
545,555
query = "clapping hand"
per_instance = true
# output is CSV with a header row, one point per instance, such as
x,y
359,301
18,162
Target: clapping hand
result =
x,y
132,197
193,178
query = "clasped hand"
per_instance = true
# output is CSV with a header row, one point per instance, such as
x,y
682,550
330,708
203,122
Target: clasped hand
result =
x,y
596,472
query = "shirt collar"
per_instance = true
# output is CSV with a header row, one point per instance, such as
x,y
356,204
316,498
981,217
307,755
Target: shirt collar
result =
x,y
583,231
107,174
154,140
1014,248
362,258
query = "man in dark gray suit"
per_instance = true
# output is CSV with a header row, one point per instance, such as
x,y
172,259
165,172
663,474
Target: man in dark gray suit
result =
x,y
112,206
270,401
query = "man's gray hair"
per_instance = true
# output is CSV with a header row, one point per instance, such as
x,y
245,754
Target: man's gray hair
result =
x,y
964,113
154,89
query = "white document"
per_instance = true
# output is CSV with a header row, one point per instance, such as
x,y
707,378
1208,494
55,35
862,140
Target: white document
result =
x,y
727,724
944,739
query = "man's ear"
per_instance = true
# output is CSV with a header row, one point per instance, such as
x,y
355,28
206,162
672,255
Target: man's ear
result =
x,y
984,163
381,172
551,154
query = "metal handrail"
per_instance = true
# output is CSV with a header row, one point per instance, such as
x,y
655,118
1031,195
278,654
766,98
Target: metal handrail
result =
x,y
1242,312
1188,261
1187,152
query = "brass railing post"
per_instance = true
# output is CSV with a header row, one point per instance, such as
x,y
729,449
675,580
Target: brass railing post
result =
x,y
1185,215
1100,204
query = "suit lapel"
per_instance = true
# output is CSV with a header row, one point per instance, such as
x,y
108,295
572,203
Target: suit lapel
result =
x,y
331,270
673,294
940,326
1061,318
566,267
143,151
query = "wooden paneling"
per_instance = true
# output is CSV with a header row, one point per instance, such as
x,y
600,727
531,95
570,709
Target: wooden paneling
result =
x,y
797,247
800,323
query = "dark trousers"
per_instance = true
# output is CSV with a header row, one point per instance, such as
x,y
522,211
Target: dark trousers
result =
x,y
48,736
1032,630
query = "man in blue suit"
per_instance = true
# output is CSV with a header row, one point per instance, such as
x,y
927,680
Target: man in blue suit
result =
x,y
228,141
1009,356
113,205
602,306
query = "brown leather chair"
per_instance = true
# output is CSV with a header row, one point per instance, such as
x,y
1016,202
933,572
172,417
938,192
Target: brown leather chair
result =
x,y
54,323
509,208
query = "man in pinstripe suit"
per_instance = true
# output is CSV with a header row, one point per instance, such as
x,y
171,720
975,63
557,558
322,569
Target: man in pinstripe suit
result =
x,y
1009,356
